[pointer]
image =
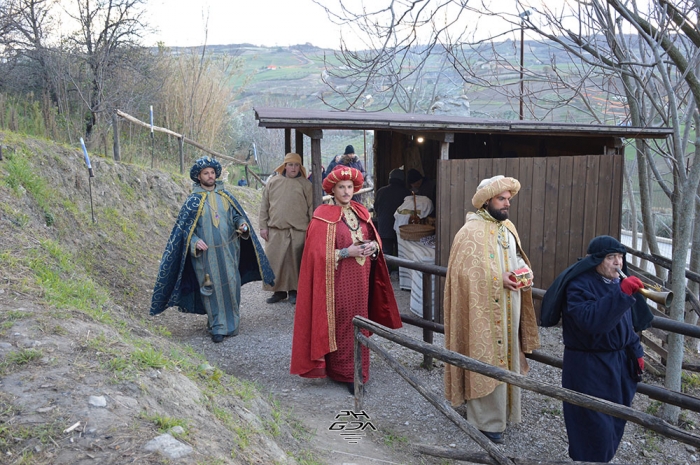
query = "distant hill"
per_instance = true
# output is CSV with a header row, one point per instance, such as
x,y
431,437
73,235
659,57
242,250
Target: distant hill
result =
x,y
292,77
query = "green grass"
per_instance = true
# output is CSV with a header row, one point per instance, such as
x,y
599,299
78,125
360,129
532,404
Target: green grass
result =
x,y
14,315
394,440
654,407
307,458
551,411
150,358
62,286
685,422
652,442
164,423
23,356
112,216
15,437
689,381
21,177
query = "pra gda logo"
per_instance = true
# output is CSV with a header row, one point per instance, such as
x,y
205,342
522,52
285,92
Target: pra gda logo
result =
x,y
352,425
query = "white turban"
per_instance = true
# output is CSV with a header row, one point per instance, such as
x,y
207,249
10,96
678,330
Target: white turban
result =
x,y
491,187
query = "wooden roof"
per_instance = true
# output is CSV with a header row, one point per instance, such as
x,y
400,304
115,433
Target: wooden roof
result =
x,y
278,118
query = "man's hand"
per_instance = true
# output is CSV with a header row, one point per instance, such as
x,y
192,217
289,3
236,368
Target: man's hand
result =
x,y
631,285
263,234
508,283
201,245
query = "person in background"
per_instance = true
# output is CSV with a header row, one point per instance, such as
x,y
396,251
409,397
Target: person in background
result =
x,y
285,212
211,252
602,354
349,159
421,185
387,200
489,314
343,274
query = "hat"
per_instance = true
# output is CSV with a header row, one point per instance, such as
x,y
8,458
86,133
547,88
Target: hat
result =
x,y
200,164
491,187
413,176
602,246
396,173
343,173
349,150
291,158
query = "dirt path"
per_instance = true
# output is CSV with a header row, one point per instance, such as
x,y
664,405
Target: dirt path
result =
x,y
401,416
261,353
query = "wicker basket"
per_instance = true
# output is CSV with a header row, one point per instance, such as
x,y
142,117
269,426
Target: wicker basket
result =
x,y
413,232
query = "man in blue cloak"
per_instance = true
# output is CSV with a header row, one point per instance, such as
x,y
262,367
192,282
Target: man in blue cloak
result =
x,y
212,251
602,353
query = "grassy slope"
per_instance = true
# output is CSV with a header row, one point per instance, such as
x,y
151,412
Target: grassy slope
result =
x,y
72,272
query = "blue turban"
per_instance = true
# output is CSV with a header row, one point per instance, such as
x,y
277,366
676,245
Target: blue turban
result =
x,y
200,164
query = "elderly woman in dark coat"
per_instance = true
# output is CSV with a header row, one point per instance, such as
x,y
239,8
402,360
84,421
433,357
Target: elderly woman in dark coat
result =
x,y
602,356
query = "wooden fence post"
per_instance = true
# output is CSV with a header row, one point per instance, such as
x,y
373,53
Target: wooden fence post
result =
x,y
181,147
115,130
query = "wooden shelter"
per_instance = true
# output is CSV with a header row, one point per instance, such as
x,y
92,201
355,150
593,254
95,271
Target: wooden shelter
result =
x,y
571,174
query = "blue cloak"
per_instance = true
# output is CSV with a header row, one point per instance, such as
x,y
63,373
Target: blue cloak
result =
x,y
176,283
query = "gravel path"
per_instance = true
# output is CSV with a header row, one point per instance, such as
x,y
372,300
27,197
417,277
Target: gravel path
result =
x,y
402,417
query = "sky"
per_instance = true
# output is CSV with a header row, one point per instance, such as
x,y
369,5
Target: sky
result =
x,y
259,22
290,22
275,22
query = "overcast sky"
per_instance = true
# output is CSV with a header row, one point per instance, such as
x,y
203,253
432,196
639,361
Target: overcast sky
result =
x,y
260,22
282,22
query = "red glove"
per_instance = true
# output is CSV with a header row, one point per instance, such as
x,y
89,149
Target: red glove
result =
x,y
631,285
640,361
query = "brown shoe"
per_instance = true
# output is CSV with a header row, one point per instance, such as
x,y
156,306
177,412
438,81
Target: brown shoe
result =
x,y
276,297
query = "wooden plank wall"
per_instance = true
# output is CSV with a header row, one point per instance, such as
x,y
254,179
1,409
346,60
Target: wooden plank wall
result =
x,y
563,203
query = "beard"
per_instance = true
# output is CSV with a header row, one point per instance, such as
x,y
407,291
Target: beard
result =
x,y
498,215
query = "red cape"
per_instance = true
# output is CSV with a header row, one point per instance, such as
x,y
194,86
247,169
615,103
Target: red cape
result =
x,y
314,320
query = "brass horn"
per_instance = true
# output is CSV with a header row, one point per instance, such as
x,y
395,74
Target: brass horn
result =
x,y
664,298
207,287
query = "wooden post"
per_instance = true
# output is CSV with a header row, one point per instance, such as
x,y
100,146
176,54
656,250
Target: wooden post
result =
x,y
427,315
115,130
287,140
358,370
317,171
181,147
299,144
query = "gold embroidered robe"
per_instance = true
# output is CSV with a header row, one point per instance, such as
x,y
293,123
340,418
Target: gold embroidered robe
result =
x,y
475,303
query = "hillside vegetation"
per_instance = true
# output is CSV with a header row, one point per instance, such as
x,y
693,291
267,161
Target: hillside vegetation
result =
x,y
76,344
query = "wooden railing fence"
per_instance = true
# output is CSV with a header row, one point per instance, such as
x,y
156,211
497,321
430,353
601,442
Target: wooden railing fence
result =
x,y
181,141
493,455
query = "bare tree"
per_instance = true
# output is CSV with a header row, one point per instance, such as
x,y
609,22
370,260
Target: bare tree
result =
x,y
642,54
197,96
395,70
107,43
25,26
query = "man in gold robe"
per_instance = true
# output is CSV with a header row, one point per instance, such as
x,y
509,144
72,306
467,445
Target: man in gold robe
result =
x,y
489,314
285,212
